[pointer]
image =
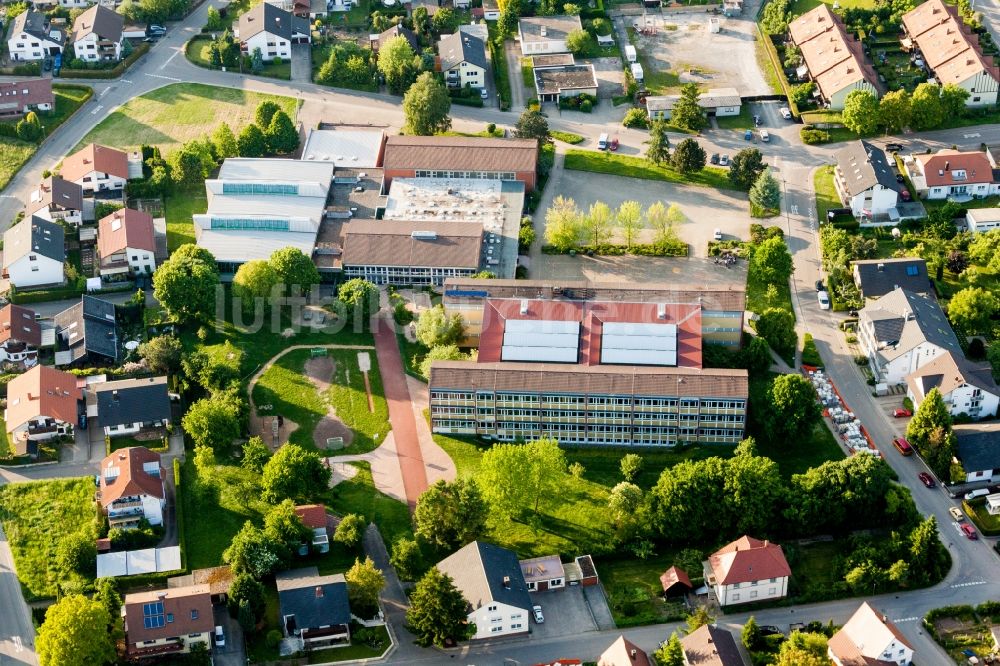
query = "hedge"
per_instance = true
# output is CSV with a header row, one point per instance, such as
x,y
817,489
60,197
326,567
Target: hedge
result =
x,y
179,512
27,69
468,101
113,73
810,355
25,297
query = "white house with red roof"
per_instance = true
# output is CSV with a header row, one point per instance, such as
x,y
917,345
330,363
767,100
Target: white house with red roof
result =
x,y
20,336
43,403
132,487
126,243
953,174
96,168
313,516
869,639
747,570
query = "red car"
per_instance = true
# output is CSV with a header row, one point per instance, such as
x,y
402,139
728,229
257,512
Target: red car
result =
x,y
926,479
969,531
614,145
899,413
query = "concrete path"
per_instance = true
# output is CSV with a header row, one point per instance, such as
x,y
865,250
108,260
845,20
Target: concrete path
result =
x,y
512,52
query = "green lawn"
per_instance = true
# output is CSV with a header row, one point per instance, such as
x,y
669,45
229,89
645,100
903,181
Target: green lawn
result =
x,y
800,7
797,457
179,112
358,495
741,122
125,442
292,393
198,51
638,167
179,208
826,193
37,517
13,154
603,466
635,594
356,650
766,65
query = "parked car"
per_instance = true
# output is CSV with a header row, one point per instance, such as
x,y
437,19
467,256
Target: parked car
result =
x,y
764,136
484,93
894,147
220,637
614,145
717,234
537,612
956,513
785,112
926,479
969,531
714,159
902,446
900,412
820,286
824,300
602,142
770,630
973,494
756,121
748,135
724,160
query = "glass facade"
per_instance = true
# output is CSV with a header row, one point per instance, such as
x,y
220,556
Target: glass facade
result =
x,y
249,224
284,189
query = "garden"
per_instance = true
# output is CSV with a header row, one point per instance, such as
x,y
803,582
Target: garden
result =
x,y
964,631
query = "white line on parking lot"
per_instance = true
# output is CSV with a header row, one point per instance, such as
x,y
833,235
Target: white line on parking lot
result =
x,y
906,619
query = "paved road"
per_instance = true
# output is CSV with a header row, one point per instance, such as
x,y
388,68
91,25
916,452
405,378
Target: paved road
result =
x,y
17,635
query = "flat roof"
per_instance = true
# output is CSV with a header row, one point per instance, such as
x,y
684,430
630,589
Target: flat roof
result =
x,y
552,60
252,205
571,77
284,170
556,28
345,147
448,199
240,245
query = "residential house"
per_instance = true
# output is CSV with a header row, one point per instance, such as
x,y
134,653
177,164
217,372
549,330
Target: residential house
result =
x,y
866,183
675,582
979,451
314,608
543,573
953,174
834,59
43,403
313,516
131,487
982,219
714,102
460,157
462,60
33,38
273,31
902,331
711,645
34,252
56,199
746,571
167,621
98,35
377,41
20,97
993,504
73,4
132,406
556,82
88,330
491,10
869,638
490,579
877,277
96,168
20,336
126,243
624,652
546,34
952,52
966,388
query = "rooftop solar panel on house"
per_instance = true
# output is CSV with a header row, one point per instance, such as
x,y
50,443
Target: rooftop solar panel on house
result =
x,y
625,343
543,341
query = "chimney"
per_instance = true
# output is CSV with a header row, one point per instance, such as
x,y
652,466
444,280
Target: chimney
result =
x,y
881,267
319,591
661,311
633,653
506,582
947,165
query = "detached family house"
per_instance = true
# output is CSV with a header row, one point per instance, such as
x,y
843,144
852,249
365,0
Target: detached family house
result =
x,y
711,645
96,168
377,41
56,199
88,329
877,277
33,38
20,336
43,403
869,639
747,570
462,59
490,579
952,174
126,243
866,183
167,621
979,451
132,487
98,35
19,97
34,253
273,31
131,406
314,608
624,652
966,388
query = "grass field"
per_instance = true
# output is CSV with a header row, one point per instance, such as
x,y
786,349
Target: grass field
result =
x,y
638,167
743,121
178,209
826,194
37,517
198,51
13,154
566,137
169,116
358,495
800,7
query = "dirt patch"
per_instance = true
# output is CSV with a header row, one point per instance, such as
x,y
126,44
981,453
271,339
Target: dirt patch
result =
x,y
331,426
320,370
951,625
264,428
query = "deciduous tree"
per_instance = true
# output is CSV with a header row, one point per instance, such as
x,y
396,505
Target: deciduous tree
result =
x,y
745,168
282,525
406,558
437,610
777,327
255,454
624,501
450,515
264,113
251,142
440,353
252,552
351,530
597,223
281,136
688,157
254,280
75,633
771,261
213,421
294,269
894,110
294,473
794,408
579,42
398,64
435,327
925,107
515,477
564,225
630,465
629,220
358,299
670,653
162,354
426,106
860,112
972,309
244,590
364,583
663,221
953,98
532,125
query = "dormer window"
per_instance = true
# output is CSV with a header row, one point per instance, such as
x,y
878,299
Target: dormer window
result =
x,y
958,174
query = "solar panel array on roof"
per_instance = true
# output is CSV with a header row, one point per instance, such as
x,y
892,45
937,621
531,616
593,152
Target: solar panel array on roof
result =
x,y
534,340
624,343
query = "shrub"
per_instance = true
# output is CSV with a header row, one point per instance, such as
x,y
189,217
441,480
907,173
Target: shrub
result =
x,y
636,119
812,136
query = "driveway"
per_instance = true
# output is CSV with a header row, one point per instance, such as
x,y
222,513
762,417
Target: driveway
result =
x,y
566,613
512,51
233,653
301,63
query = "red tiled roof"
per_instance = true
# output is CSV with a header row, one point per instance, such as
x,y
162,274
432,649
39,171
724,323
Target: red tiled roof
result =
x,y
672,576
29,92
312,516
746,560
95,158
623,652
189,610
592,315
19,324
132,479
939,168
125,228
42,391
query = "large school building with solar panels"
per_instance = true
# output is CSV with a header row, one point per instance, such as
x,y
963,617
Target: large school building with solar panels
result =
x,y
592,364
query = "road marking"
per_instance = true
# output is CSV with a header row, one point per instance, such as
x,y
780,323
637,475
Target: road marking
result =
x,y
124,80
167,61
978,582
105,91
18,647
97,109
794,209
972,136
906,619
160,76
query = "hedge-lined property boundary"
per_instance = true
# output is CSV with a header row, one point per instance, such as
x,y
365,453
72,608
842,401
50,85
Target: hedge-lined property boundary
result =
x,y
113,73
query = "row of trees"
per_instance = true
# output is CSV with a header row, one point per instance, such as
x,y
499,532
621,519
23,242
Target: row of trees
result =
x,y
927,108
569,228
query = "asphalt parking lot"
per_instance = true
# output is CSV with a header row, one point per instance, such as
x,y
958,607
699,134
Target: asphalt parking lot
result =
x,y
566,613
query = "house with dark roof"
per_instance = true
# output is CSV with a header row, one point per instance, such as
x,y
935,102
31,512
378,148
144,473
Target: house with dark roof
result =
x,y
88,329
56,199
19,97
966,388
624,652
42,403
902,331
869,639
462,60
746,571
167,621
490,579
96,168
33,38
711,645
272,30
314,609
875,278
98,35
131,406
131,487
34,252
866,183
378,40
979,451
20,336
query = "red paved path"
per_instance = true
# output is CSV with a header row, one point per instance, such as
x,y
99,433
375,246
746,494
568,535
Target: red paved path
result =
x,y
404,428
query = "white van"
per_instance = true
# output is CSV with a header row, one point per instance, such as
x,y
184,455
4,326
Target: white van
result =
x,y
824,300
602,142
764,136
